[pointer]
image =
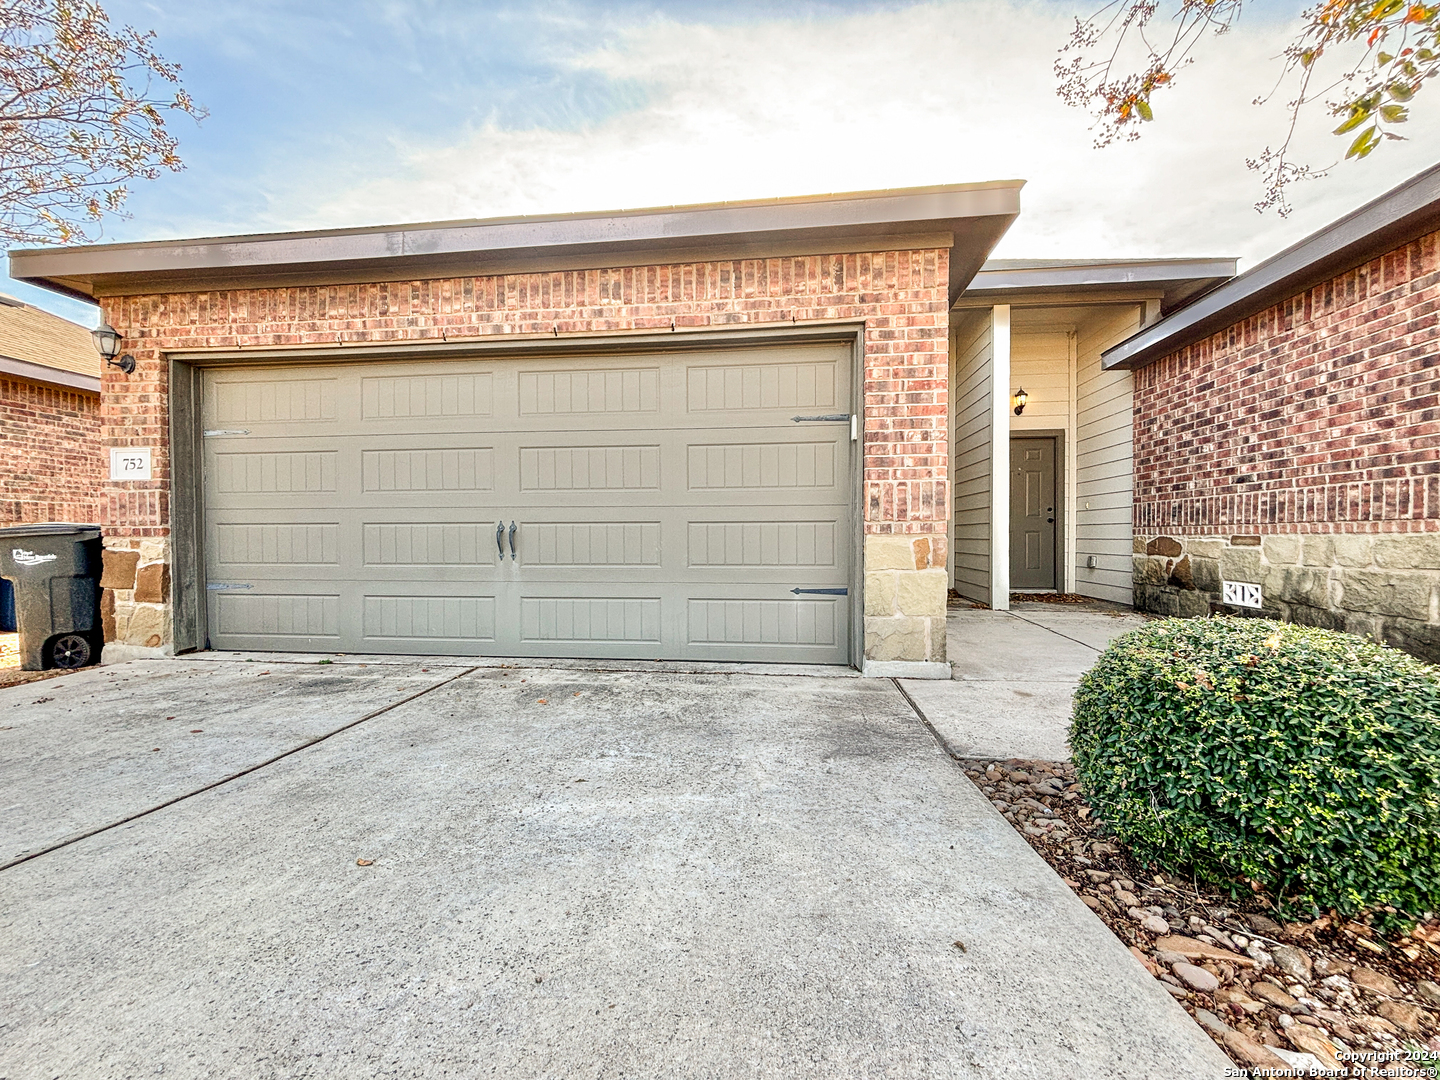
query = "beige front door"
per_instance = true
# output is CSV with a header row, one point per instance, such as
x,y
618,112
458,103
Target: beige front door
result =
x,y
664,505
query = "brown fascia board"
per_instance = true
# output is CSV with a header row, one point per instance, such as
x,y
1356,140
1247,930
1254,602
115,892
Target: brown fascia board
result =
x,y
1176,280
43,373
1397,217
967,218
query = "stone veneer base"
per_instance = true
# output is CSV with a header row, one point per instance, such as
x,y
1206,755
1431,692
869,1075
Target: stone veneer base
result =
x,y
1384,586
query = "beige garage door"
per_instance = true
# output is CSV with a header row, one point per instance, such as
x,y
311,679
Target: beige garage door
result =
x,y
650,506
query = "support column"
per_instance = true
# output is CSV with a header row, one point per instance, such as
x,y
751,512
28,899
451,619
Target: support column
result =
x,y
1000,395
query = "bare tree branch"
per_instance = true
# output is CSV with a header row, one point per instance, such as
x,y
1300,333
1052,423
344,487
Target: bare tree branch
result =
x,y
78,119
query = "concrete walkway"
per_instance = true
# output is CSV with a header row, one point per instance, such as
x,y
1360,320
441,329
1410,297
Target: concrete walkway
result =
x,y
1015,675
571,873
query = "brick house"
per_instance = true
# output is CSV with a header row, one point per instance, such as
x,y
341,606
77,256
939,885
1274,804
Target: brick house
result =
x,y
49,417
1287,433
713,432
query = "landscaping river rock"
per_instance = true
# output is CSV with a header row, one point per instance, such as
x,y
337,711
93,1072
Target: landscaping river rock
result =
x,y
1277,994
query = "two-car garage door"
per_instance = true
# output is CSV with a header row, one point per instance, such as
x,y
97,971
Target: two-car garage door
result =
x,y
663,506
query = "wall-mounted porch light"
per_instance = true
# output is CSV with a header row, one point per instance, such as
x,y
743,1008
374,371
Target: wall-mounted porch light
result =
x,y
107,344
1020,399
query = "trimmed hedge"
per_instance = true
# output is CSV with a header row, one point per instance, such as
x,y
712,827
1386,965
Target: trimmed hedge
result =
x,y
1305,760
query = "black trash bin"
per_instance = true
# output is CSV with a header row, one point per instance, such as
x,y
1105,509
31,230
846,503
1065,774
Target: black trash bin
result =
x,y
55,572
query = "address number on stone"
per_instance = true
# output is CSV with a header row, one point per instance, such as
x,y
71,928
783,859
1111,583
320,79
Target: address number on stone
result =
x,y
129,463
1242,594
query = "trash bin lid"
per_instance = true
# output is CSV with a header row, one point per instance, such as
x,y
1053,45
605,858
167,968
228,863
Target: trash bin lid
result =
x,y
53,528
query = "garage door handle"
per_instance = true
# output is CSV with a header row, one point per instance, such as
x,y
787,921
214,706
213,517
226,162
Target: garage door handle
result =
x,y
828,418
500,538
512,542
822,592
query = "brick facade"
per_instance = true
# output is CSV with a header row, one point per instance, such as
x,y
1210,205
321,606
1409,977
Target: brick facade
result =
x,y
1319,414
901,296
1287,449
50,457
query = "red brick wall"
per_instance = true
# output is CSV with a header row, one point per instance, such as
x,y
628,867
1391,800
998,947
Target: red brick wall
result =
x,y
50,456
900,295
1318,415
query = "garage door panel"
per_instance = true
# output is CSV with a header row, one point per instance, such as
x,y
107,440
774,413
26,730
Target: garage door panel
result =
x,y
440,396
754,387
275,472
428,544
771,545
736,623
608,468
273,399
311,616
594,620
587,545
665,506
436,622
626,389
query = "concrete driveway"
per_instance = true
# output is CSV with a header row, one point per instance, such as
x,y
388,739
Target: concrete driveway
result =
x,y
572,873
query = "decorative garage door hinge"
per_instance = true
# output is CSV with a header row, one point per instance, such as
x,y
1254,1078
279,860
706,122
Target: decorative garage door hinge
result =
x,y
225,586
216,432
822,592
828,418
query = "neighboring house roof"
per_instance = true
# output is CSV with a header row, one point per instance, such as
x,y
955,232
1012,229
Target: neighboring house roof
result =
x,y
41,347
1397,217
971,217
1175,281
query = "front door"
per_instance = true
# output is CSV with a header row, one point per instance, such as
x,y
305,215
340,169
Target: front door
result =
x,y
1032,513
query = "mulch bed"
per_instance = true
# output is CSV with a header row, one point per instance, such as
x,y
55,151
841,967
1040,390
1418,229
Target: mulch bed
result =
x,y
1266,991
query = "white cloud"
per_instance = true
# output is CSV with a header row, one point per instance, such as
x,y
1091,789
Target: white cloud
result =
x,y
936,93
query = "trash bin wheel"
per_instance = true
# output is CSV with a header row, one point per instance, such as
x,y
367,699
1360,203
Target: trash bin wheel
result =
x,y
70,651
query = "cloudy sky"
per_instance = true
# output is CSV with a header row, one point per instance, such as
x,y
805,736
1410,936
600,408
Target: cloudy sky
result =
x,y
333,113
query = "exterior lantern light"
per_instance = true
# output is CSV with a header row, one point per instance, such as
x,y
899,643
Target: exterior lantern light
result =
x,y
1020,399
107,344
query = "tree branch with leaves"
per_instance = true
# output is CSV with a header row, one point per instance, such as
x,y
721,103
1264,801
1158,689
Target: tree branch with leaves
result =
x,y
80,117
1382,52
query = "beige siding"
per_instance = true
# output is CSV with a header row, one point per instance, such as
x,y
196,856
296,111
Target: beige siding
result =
x,y
1104,461
1040,362
972,448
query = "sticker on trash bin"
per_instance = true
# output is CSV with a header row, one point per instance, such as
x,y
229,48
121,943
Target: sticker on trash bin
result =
x,y
129,463
29,558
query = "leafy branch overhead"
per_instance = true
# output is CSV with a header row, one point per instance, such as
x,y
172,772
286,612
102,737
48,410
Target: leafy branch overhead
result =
x,y
1365,59
82,112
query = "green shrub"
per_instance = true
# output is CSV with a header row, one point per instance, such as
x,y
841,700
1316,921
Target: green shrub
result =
x,y
1305,760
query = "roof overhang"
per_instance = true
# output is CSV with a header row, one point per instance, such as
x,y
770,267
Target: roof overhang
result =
x,y
969,219
1050,281
1400,215
44,373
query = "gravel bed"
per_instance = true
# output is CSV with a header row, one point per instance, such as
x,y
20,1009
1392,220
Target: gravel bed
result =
x,y
1273,994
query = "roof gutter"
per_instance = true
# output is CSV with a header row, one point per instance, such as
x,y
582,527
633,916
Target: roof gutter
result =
x,y
32,372
968,218
1396,217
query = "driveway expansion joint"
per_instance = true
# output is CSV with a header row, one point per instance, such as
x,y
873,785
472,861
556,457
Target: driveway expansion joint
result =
x,y
67,841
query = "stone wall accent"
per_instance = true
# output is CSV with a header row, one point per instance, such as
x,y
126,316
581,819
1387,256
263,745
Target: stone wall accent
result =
x,y
900,296
1385,587
135,598
50,456
906,586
